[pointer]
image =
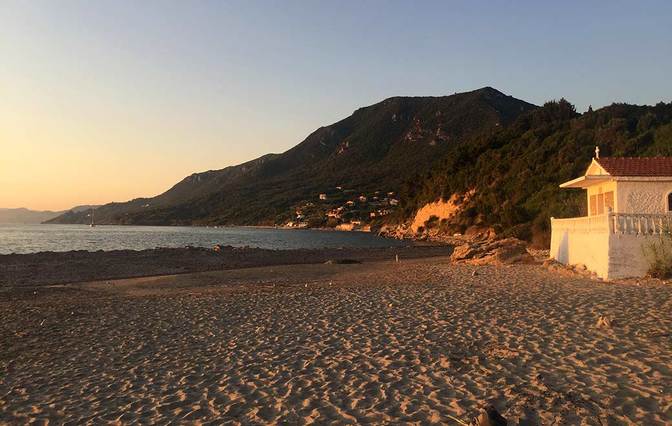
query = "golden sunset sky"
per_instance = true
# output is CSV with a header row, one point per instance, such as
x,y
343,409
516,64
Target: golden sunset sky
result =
x,y
111,100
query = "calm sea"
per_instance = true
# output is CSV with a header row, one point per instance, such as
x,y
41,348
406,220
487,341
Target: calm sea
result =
x,y
35,238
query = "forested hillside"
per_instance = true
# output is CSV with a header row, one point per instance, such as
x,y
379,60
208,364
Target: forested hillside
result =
x,y
515,172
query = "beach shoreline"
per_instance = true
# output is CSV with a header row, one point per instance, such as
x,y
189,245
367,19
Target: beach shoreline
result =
x,y
48,268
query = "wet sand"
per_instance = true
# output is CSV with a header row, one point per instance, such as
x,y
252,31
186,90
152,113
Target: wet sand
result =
x,y
75,266
378,342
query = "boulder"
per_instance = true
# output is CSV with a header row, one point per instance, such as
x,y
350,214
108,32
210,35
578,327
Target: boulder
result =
x,y
499,252
463,252
549,263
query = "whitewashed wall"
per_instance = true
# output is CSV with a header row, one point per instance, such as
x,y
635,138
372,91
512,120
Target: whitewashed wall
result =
x,y
583,240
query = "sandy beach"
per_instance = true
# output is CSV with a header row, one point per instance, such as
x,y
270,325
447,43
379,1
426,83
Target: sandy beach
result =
x,y
416,342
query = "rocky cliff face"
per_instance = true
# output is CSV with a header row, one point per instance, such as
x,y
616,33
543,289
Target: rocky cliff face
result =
x,y
431,215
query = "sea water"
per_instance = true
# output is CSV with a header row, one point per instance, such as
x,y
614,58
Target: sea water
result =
x,y
36,238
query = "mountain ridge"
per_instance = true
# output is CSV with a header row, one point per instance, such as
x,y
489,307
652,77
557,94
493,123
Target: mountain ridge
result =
x,y
22,215
372,149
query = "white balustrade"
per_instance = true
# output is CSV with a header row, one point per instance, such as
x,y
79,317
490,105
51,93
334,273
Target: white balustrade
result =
x,y
641,224
617,223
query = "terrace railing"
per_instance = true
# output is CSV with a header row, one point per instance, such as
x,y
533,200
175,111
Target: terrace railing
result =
x,y
640,224
617,223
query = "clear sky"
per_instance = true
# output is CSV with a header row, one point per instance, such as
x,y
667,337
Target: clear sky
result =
x,y
111,100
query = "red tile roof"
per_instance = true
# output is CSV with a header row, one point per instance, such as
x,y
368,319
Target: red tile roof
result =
x,y
637,166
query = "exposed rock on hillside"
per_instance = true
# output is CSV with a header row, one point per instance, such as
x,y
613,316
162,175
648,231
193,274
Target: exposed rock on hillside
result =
x,y
431,214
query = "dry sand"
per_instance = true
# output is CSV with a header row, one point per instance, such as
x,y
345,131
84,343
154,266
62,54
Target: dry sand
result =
x,y
415,342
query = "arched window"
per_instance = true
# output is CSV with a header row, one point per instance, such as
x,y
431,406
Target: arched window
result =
x,y
669,202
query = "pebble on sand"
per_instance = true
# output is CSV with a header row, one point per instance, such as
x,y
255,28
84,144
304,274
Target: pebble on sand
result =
x,y
489,417
605,321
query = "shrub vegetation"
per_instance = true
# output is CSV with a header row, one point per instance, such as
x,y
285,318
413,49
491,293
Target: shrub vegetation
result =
x,y
658,254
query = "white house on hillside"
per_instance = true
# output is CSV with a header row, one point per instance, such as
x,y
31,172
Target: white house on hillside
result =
x,y
629,204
